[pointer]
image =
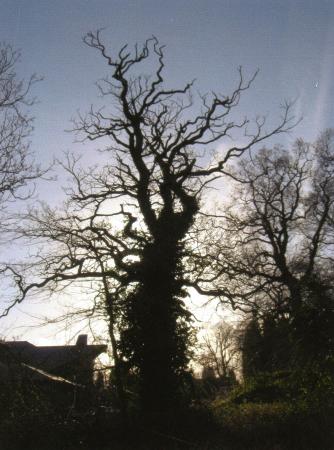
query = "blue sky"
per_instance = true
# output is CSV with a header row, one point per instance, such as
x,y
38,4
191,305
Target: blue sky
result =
x,y
291,42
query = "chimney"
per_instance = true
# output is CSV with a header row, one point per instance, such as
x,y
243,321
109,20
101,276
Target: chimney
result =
x,y
82,340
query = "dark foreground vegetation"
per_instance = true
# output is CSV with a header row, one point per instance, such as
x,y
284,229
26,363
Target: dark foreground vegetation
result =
x,y
271,411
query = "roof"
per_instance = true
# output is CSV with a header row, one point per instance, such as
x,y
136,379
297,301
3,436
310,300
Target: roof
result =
x,y
49,358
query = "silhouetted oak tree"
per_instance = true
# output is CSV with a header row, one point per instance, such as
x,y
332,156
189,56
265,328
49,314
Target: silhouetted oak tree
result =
x,y
128,222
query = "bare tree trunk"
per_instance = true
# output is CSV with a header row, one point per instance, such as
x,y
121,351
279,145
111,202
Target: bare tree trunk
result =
x,y
118,369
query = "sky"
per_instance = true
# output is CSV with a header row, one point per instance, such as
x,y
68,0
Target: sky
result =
x,y
290,42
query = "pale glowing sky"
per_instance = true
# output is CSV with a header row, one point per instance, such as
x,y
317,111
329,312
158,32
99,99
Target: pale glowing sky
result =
x,y
291,42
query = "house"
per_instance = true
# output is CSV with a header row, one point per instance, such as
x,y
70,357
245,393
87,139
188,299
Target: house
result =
x,y
71,364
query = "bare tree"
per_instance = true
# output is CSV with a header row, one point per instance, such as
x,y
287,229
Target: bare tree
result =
x,y
127,223
271,251
17,168
220,351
